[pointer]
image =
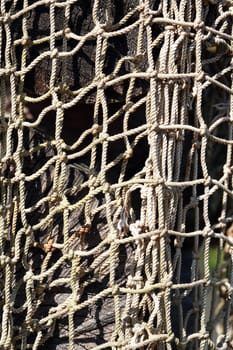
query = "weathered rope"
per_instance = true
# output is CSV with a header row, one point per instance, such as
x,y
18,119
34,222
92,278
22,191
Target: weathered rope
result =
x,y
116,174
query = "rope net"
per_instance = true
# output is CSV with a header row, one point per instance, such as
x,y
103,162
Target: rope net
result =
x,y
116,174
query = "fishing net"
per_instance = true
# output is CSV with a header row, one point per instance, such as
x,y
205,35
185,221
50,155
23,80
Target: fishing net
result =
x,y
116,174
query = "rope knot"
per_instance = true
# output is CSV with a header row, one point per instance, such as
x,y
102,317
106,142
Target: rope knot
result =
x,y
19,176
63,158
204,130
54,53
152,73
99,29
200,76
103,136
106,187
28,276
207,232
96,128
199,25
59,105
208,181
6,19
26,41
148,19
128,153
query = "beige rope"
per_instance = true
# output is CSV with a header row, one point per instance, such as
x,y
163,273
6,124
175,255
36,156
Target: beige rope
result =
x,y
94,232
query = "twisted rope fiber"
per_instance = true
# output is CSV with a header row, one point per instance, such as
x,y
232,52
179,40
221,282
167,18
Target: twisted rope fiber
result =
x,y
108,235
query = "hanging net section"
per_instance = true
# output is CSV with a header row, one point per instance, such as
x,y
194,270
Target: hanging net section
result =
x,y
116,174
